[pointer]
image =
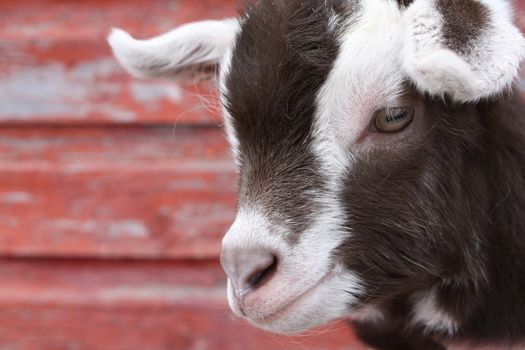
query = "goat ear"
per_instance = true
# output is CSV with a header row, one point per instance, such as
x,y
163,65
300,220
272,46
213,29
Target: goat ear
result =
x,y
468,49
190,52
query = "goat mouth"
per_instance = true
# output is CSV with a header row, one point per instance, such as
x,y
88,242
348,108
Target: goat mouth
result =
x,y
283,310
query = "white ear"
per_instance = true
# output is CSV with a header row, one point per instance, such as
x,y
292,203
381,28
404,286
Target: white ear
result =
x,y
467,49
190,52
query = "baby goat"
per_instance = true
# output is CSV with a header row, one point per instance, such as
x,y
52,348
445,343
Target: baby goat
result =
x,y
381,153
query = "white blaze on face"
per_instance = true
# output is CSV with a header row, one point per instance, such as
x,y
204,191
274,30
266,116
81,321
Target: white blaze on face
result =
x,y
367,76
310,288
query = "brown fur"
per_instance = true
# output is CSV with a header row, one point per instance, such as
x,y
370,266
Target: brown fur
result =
x,y
464,22
463,231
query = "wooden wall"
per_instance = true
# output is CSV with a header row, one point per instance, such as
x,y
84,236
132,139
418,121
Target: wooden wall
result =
x,y
114,193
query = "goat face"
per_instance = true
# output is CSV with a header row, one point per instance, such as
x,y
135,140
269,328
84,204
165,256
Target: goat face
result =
x,y
357,139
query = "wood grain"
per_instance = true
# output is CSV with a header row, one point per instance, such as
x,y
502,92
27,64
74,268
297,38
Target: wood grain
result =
x,y
56,67
118,192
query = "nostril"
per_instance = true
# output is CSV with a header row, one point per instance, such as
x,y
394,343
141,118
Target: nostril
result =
x,y
248,269
262,275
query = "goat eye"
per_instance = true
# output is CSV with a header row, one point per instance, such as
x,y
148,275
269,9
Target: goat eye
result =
x,y
391,120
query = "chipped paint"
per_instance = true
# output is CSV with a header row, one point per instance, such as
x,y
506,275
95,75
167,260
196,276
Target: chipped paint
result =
x,y
119,295
88,91
8,221
52,89
190,212
149,92
17,198
111,229
192,185
95,70
161,293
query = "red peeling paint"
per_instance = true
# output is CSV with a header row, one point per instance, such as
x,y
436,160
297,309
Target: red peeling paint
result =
x,y
118,192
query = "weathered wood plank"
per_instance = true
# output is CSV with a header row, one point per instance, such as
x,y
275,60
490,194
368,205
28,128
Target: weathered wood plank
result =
x,y
118,192
202,326
110,283
55,65
46,304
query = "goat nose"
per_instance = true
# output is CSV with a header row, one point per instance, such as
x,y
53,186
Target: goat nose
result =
x,y
248,269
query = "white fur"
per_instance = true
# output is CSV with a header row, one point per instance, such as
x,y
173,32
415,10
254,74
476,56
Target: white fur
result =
x,y
182,53
428,314
368,313
252,229
488,69
294,299
500,8
334,21
366,76
230,132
